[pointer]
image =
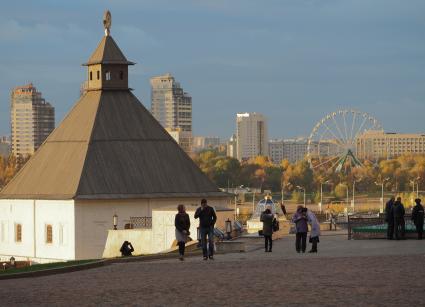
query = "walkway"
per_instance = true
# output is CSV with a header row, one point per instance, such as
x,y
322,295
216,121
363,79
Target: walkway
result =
x,y
376,272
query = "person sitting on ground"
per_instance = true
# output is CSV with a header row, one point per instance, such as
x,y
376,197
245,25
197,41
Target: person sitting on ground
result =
x,y
418,217
315,230
398,212
126,249
301,229
267,219
389,218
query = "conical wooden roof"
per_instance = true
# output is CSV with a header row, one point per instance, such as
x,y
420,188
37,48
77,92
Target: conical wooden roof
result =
x,y
109,146
108,52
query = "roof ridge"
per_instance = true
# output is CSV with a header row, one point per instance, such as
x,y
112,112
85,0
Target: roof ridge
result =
x,y
88,144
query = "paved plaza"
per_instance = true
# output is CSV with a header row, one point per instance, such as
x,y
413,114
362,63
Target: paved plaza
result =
x,y
358,273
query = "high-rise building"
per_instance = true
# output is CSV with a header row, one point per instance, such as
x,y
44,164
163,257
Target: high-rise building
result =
x,y
251,135
380,144
32,119
170,105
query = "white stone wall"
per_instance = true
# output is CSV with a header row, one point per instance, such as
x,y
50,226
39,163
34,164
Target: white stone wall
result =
x,y
33,216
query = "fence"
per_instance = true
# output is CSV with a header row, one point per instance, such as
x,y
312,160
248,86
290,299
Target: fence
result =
x,y
358,221
141,222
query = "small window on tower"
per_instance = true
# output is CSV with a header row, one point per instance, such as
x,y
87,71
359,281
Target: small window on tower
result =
x,y
98,75
108,75
121,75
91,76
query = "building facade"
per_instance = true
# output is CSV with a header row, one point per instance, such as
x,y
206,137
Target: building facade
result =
x,y
251,135
380,144
205,142
171,106
32,120
4,146
231,149
183,138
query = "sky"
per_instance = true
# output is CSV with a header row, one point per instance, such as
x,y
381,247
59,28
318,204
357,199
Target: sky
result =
x,y
292,60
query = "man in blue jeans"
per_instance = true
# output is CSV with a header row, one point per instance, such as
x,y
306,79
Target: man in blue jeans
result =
x,y
207,219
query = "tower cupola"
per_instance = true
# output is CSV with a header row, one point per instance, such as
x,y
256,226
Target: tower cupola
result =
x,y
107,68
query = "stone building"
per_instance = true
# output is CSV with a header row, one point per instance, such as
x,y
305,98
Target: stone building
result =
x,y
108,158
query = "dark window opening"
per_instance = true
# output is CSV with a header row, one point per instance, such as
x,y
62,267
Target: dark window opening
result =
x,y
98,75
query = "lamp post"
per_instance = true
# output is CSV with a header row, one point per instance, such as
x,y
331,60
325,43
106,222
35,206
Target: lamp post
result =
x,y
321,194
303,189
354,191
228,227
417,186
115,221
382,192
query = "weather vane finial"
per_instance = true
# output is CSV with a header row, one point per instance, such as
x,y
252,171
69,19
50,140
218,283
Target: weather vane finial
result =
x,y
107,21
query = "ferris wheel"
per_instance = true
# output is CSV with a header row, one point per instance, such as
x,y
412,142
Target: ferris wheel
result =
x,y
332,142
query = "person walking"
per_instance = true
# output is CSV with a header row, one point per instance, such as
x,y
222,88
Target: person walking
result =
x,y
267,219
301,229
389,217
207,219
418,217
182,223
398,212
315,230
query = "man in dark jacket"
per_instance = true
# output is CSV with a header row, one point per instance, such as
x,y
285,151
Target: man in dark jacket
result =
x,y
418,217
389,218
398,211
207,219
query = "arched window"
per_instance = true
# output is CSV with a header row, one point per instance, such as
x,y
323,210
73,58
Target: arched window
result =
x,y
91,76
121,75
108,75
18,233
98,75
49,234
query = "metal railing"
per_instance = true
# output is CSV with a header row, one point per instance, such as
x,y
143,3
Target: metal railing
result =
x,y
141,222
358,221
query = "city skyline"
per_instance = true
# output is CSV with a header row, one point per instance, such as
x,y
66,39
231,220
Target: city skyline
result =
x,y
292,62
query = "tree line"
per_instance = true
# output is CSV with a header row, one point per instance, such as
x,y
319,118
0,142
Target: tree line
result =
x,y
9,166
404,173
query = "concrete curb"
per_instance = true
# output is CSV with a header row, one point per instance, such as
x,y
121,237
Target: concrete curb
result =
x,y
60,270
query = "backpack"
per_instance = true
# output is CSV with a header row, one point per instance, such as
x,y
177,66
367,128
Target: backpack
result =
x,y
275,225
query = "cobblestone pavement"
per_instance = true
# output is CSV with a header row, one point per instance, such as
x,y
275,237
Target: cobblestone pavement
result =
x,y
358,273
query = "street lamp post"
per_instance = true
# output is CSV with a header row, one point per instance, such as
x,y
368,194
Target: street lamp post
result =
x,y
354,191
303,189
382,192
321,194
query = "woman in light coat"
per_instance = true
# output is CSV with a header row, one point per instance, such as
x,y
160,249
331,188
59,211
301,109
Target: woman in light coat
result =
x,y
315,230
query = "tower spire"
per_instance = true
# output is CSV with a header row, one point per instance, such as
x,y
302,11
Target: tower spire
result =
x,y
107,22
